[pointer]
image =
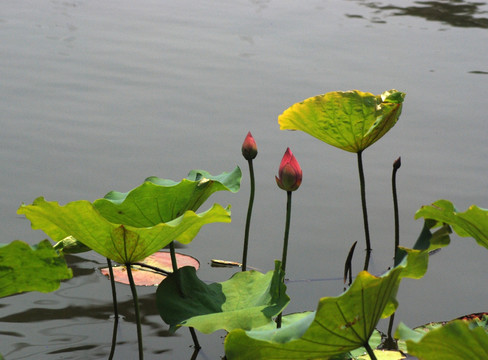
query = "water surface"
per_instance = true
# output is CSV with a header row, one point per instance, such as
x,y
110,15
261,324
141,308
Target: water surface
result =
x,y
97,96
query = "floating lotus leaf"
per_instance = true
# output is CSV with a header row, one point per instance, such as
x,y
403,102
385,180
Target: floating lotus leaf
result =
x,y
349,120
31,268
151,275
160,200
121,243
456,340
339,325
473,222
247,300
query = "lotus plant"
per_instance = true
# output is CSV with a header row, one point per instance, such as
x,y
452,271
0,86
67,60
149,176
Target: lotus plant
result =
x,y
249,151
289,179
350,120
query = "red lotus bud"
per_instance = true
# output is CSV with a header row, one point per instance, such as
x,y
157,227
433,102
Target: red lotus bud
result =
x,y
290,174
249,147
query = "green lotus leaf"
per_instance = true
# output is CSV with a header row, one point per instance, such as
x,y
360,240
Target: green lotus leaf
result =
x,y
247,300
428,240
121,243
31,268
458,339
339,325
473,222
160,200
349,120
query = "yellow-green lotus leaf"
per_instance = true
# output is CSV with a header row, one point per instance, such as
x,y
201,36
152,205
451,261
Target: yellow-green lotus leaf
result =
x,y
350,120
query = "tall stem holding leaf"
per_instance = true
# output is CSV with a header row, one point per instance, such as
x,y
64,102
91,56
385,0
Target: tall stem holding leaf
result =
x,y
249,151
136,309
362,184
289,179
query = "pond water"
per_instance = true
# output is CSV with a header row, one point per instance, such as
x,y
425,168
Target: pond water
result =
x,y
96,96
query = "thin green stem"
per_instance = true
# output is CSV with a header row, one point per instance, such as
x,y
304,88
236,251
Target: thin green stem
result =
x,y
114,339
390,342
285,244
396,166
136,309
172,253
248,219
287,231
365,210
370,351
195,339
114,292
180,288
116,311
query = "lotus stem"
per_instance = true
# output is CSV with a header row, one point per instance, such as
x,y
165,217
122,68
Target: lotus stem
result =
x,y
116,311
114,339
114,292
195,339
370,351
365,210
285,244
390,342
180,289
172,253
396,166
249,213
287,231
136,309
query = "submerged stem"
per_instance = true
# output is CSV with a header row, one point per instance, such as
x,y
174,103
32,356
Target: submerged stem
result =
x,y
248,219
365,210
285,244
136,309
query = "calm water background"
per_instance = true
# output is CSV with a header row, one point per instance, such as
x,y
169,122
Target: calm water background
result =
x,y
98,95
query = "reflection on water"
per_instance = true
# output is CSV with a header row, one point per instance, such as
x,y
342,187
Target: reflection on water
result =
x,y
453,12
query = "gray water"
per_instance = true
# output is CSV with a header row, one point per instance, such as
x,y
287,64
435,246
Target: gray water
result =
x,y
98,95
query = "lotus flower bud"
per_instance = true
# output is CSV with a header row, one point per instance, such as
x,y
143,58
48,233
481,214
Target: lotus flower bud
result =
x,y
290,174
249,147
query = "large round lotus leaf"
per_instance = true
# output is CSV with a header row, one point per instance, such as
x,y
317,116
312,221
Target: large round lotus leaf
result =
x,y
31,268
151,276
160,200
247,300
349,120
121,243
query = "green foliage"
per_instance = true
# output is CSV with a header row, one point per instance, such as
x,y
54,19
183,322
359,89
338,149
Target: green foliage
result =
x,y
339,325
349,120
69,245
247,300
121,243
453,341
160,200
473,222
31,268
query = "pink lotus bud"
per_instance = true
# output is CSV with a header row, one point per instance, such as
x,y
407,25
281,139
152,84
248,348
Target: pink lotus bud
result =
x,y
249,147
290,174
